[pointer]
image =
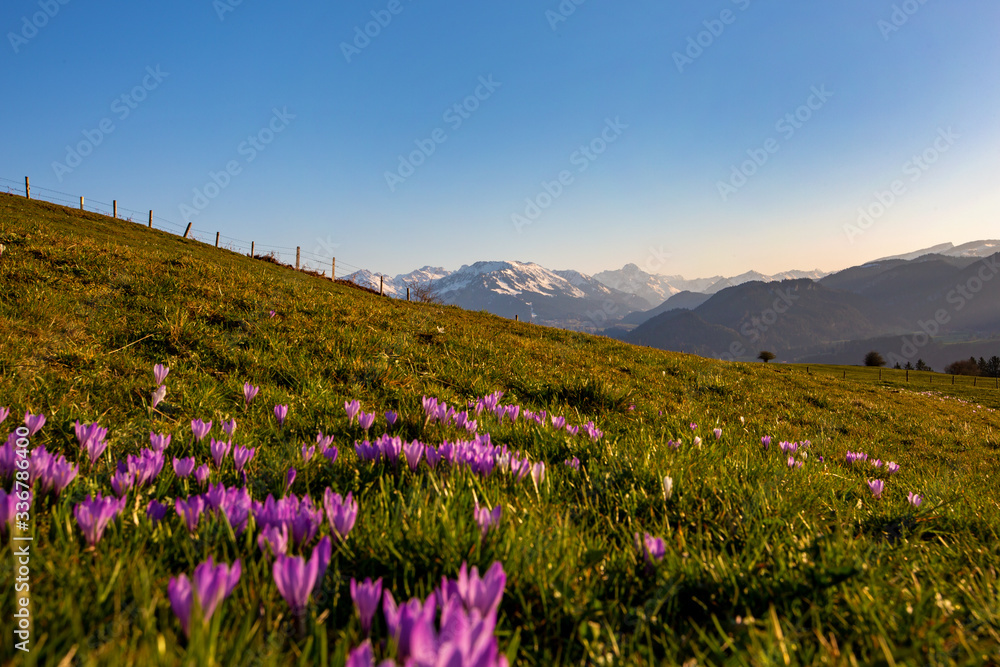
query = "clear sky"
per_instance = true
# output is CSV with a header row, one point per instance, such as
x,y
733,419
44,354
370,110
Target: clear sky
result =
x,y
351,144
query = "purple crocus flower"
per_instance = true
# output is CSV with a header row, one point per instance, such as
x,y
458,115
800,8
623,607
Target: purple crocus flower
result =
x,y
122,481
308,452
717,432
366,597
271,313
208,587
876,463
8,508
693,426
160,373
34,422
361,656
200,429
156,510
351,408
280,412
412,626
242,456
573,463
481,593
159,442
876,486
214,496
229,427
366,419
201,473
289,478
537,474
249,392
341,513
158,395
651,548
3,414
91,438
183,467
190,510
391,417
94,514
413,452
891,467
766,441
220,450
487,518
331,453
914,499
323,441
296,577
558,422
275,538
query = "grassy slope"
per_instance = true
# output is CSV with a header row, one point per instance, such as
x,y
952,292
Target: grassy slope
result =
x,y
763,564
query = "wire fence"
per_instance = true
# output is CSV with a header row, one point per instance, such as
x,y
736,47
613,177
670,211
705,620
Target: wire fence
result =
x,y
318,261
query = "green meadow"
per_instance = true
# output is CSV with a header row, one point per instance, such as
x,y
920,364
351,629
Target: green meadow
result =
x,y
765,563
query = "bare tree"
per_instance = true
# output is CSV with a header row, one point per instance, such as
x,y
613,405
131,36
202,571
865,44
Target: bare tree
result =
x,y
423,292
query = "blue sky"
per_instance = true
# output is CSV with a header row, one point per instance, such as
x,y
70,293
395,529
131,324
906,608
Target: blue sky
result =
x,y
672,126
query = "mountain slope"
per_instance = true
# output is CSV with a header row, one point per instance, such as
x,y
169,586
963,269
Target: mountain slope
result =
x,y
89,304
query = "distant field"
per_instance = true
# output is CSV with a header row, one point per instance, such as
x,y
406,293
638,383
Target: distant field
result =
x,y
767,556
982,390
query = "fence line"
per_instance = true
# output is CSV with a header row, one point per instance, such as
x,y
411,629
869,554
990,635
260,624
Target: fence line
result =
x,y
326,263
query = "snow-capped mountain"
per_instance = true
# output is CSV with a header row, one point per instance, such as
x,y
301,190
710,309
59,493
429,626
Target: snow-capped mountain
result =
x,y
654,289
567,299
750,276
420,276
657,288
390,286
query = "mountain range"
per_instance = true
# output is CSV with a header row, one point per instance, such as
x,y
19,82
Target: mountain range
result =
x,y
798,315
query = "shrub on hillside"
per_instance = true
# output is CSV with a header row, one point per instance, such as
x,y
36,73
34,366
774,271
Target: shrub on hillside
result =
x,y
873,358
962,367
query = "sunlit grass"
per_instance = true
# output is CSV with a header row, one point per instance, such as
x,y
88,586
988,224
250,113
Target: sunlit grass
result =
x,y
764,564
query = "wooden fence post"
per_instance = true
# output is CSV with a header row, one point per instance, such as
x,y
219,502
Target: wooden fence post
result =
x,y
150,218
251,250
907,374
186,231
845,375
879,374
114,208
380,281
81,202
216,239
515,317
27,188
298,251
333,268
407,293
